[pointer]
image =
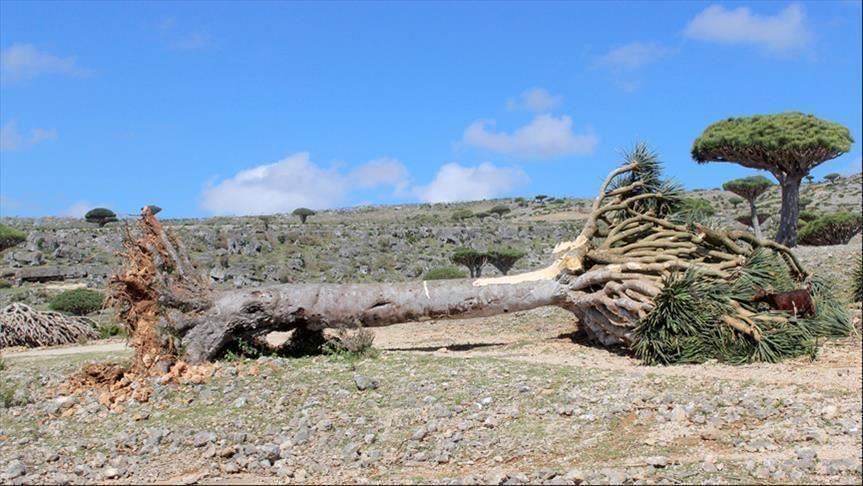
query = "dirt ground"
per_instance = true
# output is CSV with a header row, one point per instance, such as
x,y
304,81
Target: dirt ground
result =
x,y
508,400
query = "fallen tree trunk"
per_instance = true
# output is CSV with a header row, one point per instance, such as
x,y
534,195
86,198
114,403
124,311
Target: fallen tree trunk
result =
x,y
616,277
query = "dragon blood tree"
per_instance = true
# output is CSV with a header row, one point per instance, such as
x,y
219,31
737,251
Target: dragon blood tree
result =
x,y
750,189
788,145
670,292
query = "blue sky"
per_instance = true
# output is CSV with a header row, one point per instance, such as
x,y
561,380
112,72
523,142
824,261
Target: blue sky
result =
x,y
208,108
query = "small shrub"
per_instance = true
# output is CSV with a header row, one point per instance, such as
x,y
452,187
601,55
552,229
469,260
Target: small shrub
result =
x,y
830,229
5,284
351,344
462,214
10,237
78,302
444,273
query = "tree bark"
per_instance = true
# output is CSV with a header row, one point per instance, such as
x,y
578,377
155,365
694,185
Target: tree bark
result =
x,y
246,313
790,185
756,224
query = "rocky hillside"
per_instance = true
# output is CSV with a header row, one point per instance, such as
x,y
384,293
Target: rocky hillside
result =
x,y
370,243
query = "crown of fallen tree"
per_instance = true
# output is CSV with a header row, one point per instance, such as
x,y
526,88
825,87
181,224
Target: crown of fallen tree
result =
x,y
670,292
788,145
100,216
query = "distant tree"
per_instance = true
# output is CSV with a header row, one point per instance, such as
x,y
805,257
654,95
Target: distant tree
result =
x,y
735,201
788,145
482,215
472,259
10,237
78,302
750,189
100,216
303,214
504,259
809,179
500,210
460,214
540,197
832,177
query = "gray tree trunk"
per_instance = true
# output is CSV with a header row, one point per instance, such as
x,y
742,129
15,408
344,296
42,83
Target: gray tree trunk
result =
x,y
244,313
756,223
787,234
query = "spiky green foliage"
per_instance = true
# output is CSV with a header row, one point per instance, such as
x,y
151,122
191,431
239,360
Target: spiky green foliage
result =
x,y
857,281
648,176
764,269
831,229
10,237
692,210
686,324
503,258
100,216
771,142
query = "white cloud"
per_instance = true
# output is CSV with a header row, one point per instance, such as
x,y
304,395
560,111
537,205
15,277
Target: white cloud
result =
x,y
21,62
296,182
378,172
632,56
537,100
455,182
11,139
546,136
784,31
80,208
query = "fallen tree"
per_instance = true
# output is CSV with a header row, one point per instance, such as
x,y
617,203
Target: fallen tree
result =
x,y
672,292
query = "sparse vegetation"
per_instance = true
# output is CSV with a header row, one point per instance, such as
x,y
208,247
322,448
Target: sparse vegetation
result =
x,y
444,273
10,237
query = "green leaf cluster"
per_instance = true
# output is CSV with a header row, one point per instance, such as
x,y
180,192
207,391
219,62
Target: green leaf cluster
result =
x,y
774,137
